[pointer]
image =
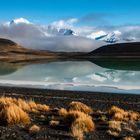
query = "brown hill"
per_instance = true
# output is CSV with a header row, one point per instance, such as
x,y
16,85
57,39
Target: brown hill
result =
x,y
11,51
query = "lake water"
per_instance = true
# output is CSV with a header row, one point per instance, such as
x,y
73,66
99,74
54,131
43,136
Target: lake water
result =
x,y
89,75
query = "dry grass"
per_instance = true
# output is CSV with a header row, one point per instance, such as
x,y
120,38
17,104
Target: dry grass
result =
x,y
62,112
7,100
80,123
12,114
85,124
133,116
54,123
128,138
115,125
73,115
34,129
78,106
29,106
43,108
119,114
77,133
23,104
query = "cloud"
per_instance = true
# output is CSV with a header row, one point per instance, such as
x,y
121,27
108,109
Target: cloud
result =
x,y
47,37
53,36
62,43
65,23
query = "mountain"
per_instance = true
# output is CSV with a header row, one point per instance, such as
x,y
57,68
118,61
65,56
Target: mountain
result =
x,y
120,50
12,51
19,20
109,38
66,32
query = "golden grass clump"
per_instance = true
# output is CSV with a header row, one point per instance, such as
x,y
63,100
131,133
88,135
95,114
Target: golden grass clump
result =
x,y
29,106
7,100
54,123
12,114
128,138
134,116
73,115
115,125
77,133
34,129
120,117
81,125
23,104
78,106
84,123
43,107
119,114
118,111
62,112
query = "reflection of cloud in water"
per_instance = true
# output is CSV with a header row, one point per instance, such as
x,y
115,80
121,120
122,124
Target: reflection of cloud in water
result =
x,y
75,73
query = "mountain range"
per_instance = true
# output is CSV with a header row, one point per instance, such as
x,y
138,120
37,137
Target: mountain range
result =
x,y
11,51
107,36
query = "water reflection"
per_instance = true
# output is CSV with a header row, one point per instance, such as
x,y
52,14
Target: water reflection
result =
x,y
77,75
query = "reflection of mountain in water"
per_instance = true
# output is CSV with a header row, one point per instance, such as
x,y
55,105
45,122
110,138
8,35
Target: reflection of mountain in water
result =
x,y
133,64
8,68
79,74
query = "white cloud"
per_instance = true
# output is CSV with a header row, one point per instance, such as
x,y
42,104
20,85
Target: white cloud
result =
x,y
64,23
46,37
49,37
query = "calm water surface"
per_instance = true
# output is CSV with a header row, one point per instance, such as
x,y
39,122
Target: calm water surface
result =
x,y
109,75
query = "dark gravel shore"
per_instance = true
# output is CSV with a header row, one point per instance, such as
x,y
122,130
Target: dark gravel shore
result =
x,y
55,98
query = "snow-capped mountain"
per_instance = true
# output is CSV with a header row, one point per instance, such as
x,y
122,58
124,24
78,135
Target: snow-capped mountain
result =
x,y
66,32
49,30
22,28
19,20
109,38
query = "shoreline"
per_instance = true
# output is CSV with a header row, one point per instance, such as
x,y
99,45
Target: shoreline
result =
x,y
122,100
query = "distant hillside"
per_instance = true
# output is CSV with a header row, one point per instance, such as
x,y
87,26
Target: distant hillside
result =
x,y
12,51
118,50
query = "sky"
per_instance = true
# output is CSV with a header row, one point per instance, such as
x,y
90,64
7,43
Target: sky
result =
x,y
89,12
45,24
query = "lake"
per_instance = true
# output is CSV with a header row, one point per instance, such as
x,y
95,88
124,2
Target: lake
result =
x,y
118,76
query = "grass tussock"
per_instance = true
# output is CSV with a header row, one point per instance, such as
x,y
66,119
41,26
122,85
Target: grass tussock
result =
x,y
78,106
80,123
63,112
29,106
129,138
34,129
12,114
73,115
85,124
43,108
115,125
77,133
119,114
54,123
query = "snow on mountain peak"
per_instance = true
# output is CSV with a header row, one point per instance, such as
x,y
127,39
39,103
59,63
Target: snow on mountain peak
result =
x,y
20,20
95,35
